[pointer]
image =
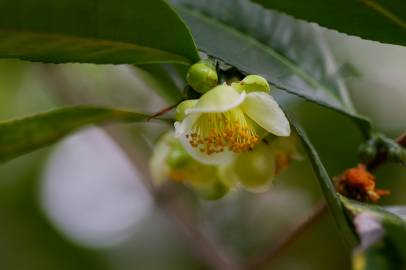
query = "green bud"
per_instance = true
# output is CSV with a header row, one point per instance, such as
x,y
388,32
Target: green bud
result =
x,y
396,154
177,158
213,190
252,83
256,169
182,107
202,76
367,152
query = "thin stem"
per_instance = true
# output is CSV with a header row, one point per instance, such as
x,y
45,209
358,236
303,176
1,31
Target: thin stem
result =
x,y
265,258
401,140
164,110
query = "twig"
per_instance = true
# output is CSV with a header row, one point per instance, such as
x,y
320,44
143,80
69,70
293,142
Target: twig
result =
x,y
401,140
265,258
164,110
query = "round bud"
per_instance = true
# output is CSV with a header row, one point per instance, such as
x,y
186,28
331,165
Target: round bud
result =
x,y
396,154
202,76
182,107
212,191
367,152
256,169
177,158
253,83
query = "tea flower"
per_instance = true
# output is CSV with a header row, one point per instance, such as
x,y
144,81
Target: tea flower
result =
x,y
170,161
227,120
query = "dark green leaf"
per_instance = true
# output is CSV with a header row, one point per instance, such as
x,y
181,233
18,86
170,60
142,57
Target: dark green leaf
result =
x,y
99,31
290,54
332,198
24,135
379,20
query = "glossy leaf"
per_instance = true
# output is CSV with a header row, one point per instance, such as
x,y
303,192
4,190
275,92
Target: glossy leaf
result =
x,y
24,135
333,200
100,31
379,20
290,54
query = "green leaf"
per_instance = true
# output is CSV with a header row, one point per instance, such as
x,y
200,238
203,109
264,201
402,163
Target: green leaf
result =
x,y
379,20
333,200
167,80
99,31
24,135
382,235
290,54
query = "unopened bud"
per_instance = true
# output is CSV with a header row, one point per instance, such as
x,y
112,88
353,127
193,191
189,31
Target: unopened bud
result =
x,y
202,76
252,83
182,107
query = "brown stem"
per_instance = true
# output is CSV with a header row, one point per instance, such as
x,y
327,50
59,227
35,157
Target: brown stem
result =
x,y
265,258
401,140
164,110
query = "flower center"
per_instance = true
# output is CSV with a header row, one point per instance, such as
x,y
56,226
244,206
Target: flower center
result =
x,y
217,132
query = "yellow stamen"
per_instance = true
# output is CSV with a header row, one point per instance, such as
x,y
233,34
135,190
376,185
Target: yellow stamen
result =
x,y
216,132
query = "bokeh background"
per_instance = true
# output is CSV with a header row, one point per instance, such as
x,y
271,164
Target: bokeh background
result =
x,y
83,203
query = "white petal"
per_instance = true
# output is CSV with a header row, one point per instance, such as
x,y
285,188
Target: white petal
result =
x,y
221,98
263,109
181,129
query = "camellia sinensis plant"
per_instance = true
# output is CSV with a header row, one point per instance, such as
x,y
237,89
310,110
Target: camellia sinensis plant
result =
x,y
239,91
232,135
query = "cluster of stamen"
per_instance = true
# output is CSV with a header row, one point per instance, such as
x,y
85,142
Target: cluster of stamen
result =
x,y
217,132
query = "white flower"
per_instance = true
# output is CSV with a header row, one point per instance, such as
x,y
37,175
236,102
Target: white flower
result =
x,y
227,120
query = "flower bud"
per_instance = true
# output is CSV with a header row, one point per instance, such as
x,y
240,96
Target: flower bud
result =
x,y
177,157
213,190
202,76
397,154
252,83
255,170
182,107
170,161
367,152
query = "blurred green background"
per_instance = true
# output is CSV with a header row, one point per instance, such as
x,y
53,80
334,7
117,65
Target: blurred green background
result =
x,y
81,204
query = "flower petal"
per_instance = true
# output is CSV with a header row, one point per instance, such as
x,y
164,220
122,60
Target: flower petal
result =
x,y
181,129
221,98
263,109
